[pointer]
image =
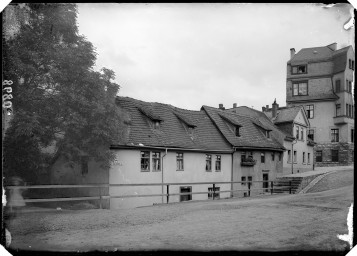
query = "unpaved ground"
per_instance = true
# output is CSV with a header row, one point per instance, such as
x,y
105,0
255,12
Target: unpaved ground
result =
x,y
281,222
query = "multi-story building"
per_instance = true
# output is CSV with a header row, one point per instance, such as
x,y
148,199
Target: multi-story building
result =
x,y
294,123
321,79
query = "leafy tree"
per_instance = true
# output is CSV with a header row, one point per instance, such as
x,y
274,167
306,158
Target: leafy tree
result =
x,y
60,102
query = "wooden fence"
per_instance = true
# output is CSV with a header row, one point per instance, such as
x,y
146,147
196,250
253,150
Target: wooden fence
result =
x,y
101,197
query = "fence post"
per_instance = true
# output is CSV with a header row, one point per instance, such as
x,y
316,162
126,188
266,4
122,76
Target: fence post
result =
x,y
167,192
248,188
100,198
289,187
272,187
214,191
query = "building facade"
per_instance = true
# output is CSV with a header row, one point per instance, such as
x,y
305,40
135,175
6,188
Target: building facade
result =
x,y
321,79
293,121
164,144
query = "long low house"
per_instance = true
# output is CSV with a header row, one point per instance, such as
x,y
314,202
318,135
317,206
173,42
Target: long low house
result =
x,y
164,144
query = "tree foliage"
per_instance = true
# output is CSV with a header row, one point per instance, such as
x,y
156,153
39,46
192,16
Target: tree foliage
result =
x,y
60,102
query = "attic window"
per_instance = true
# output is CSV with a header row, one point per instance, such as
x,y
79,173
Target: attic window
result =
x,y
156,125
267,134
301,69
236,131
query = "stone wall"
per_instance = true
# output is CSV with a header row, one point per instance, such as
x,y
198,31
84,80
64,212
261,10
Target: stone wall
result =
x,y
345,154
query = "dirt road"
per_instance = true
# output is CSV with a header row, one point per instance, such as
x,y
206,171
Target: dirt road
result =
x,y
280,222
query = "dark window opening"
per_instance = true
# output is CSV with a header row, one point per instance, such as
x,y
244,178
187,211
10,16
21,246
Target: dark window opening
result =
x,y
208,163
179,161
318,156
262,157
211,192
310,111
145,160
311,134
334,155
334,135
301,69
338,85
187,197
218,163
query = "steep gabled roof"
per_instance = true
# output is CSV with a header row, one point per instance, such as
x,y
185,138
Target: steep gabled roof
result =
x,y
312,54
172,133
251,135
286,114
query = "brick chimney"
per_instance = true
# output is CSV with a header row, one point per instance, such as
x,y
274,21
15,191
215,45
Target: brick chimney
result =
x,y
220,106
263,109
275,107
234,105
292,53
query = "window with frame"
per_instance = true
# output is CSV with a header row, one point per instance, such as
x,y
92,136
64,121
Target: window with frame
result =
x,y
267,134
338,109
300,69
348,86
218,163
303,157
334,135
311,134
262,157
84,165
245,155
211,192
334,155
243,179
236,131
208,163
353,65
309,111
156,161
338,85
349,63
289,156
145,160
273,156
295,156
300,89
297,132
302,133
318,155
279,156
308,158
179,161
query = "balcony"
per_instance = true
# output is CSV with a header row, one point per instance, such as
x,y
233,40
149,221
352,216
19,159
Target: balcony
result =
x,y
343,120
248,162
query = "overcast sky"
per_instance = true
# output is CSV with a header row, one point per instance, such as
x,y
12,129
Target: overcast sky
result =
x,y
189,55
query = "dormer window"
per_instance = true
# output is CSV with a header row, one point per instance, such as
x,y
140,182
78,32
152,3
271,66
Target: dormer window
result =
x,y
236,131
267,134
156,125
300,69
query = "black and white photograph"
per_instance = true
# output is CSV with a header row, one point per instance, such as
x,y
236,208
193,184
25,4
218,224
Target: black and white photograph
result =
x,y
178,127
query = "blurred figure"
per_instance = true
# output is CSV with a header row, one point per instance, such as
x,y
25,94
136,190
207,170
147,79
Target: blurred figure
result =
x,y
16,200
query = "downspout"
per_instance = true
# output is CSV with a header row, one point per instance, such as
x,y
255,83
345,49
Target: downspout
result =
x,y
232,172
162,176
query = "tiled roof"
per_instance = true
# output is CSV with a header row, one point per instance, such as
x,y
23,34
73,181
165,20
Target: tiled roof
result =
x,y
286,114
314,53
263,118
251,135
172,132
340,60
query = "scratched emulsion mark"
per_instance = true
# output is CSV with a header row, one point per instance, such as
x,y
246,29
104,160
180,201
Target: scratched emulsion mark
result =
x,y
348,237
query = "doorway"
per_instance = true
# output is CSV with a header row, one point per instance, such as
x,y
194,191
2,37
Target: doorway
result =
x,y
266,182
